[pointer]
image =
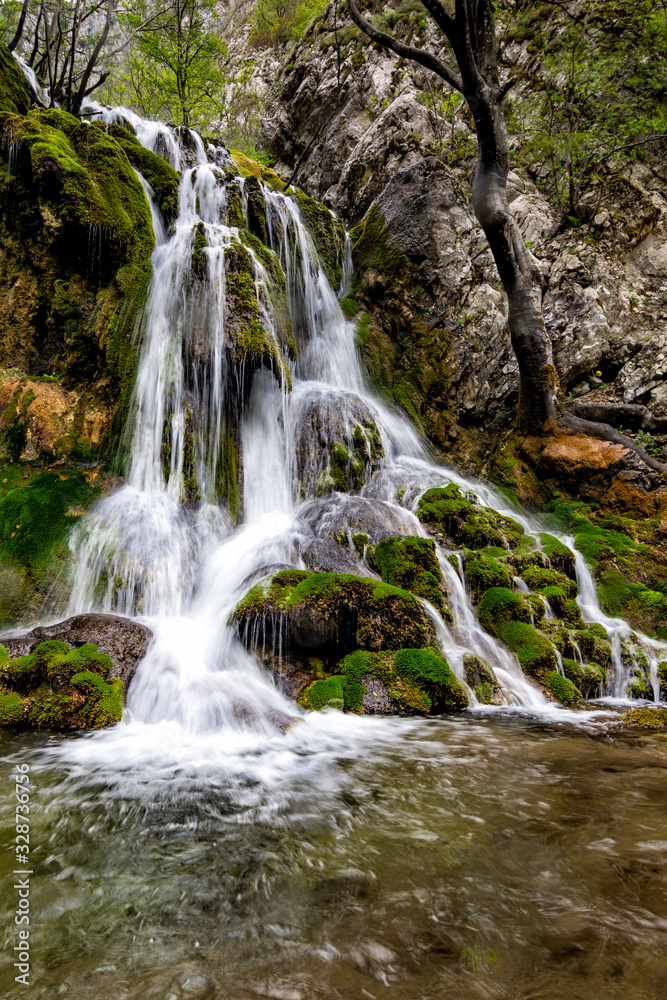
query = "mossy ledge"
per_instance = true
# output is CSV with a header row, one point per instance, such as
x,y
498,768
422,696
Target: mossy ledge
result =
x,y
56,687
299,614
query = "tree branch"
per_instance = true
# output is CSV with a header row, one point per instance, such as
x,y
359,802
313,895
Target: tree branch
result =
x,y
405,51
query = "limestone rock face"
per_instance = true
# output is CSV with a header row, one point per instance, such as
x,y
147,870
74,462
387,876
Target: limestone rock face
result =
x,y
125,641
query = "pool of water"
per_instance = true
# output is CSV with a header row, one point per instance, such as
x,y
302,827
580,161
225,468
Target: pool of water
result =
x,y
495,856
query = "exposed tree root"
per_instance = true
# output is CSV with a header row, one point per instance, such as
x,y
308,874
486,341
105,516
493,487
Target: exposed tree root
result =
x,y
632,415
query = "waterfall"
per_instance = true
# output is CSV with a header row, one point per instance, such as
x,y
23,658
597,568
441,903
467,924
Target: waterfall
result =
x,y
165,547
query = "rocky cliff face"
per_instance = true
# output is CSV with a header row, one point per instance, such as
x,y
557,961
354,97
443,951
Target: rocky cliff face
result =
x,y
354,126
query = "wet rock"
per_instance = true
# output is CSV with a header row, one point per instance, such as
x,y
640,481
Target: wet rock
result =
x,y
54,687
328,615
124,640
412,681
337,443
328,517
324,556
480,677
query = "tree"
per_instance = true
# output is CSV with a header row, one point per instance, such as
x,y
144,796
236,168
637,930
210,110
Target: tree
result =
x,y
175,69
470,31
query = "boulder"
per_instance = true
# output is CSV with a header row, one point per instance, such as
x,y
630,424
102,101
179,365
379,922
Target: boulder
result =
x,y
122,639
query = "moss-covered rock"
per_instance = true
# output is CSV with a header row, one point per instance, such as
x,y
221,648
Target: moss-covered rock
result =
x,y
250,344
55,687
646,718
160,175
411,680
562,688
328,234
410,563
500,605
75,248
481,678
302,614
484,570
589,678
15,94
465,523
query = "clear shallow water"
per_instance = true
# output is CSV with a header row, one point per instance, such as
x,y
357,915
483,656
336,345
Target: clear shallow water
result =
x,y
487,857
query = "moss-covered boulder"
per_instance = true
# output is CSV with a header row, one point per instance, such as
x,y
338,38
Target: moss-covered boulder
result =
x,y
75,246
55,687
410,563
481,678
589,678
507,616
413,681
646,718
15,94
464,523
337,442
251,341
562,688
300,614
483,570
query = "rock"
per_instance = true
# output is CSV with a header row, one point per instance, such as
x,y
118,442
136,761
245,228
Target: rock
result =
x,y
337,442
54,687
480,677
327,615
412,681
124,640
340,516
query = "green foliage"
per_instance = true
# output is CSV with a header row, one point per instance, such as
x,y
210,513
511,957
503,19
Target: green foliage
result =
x,y
174,71
275,22
596,88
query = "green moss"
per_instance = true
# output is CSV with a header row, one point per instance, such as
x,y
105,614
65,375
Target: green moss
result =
x,y
467,524
646,718
12,708
234,208
34,519
562,689
160,175
59,688
256,209
349,306
15,94
417,680
251,168
589,678
226,470
559,555
410,563
662,677
500,605
539,579
370,250
533,649
199,260
328,235
326,693
483,571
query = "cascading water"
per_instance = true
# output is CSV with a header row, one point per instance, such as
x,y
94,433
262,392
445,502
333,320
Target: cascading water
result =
x,y
144,551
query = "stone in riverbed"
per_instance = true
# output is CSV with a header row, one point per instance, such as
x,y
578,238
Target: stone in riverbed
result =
x,y
124,640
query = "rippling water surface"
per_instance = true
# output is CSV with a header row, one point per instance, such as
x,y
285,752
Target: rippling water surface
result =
x,y
490,857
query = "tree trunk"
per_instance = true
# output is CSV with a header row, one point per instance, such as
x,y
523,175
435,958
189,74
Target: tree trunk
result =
x,y
538,381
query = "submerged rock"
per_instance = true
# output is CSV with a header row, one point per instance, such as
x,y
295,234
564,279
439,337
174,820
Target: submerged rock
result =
x,y
55,687
123,640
